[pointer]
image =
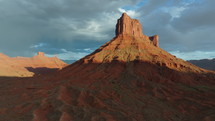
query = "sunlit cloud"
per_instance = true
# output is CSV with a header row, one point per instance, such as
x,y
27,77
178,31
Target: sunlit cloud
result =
x,y
175,12
131,13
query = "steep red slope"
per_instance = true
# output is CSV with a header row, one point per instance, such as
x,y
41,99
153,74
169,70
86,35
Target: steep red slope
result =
x,y
128,79
25,67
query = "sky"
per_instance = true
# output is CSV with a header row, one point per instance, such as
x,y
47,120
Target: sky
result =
x,y
71,29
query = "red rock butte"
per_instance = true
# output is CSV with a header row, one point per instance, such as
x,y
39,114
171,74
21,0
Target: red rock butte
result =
x,y
130,44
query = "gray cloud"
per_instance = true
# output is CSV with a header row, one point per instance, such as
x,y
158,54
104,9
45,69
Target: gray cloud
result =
x,y
186,24
25,23
74,25
199,15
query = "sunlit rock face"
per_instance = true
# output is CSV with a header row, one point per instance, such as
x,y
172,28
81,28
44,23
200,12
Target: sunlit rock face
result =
x,y
41,54
155,40
127,26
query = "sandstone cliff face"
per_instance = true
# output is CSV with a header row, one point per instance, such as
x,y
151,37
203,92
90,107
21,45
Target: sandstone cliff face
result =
x,y
128,26
26,67
155,40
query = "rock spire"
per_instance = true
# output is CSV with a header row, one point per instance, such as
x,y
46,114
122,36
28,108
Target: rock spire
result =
x,y
40,53
127,26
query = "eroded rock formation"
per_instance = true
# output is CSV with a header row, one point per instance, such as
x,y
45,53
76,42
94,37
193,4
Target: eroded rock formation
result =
x,y
41,54
155,40
127,26
132,27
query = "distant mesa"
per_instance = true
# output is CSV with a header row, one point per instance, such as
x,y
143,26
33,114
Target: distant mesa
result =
x,y
208,64
27,67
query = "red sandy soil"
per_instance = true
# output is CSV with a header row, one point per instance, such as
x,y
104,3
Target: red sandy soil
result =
x,y
26,67
127,79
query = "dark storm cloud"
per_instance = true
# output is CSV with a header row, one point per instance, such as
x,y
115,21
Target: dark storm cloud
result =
x,y
187,24
200,15
74,25
24,23
152,5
